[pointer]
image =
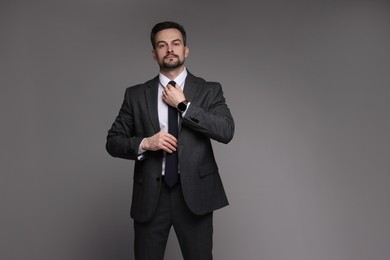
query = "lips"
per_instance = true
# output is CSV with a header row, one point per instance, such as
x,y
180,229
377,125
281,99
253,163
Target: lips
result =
x,y
170,56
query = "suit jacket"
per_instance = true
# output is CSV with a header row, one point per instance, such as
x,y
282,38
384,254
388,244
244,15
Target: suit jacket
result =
x,y
207,117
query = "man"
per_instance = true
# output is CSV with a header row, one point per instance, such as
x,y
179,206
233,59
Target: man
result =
x,y
166,125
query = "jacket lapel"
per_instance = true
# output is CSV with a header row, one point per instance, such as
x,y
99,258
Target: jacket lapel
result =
x,y
190,87
151,92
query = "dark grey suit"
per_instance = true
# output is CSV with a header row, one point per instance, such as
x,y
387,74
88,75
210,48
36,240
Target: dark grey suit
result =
x,y
207,117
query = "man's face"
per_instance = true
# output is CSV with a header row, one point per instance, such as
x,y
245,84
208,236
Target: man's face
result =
x,y
169,51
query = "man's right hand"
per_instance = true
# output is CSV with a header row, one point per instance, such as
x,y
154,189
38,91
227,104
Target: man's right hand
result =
x,y
160,141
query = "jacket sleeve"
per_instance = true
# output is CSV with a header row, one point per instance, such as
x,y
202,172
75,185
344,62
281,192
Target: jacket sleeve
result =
x,y
121,141
213,120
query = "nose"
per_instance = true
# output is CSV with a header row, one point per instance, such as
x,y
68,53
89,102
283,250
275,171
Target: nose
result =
x,y
169,51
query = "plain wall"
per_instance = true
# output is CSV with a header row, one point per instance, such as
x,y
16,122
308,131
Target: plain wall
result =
x,y
308,84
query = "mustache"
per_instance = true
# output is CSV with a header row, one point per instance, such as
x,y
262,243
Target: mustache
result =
x,y
170,54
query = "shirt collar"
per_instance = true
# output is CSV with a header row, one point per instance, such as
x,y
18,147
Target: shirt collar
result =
x,y
179,79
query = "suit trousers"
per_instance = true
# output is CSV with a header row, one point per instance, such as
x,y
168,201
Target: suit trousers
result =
x,y
194,232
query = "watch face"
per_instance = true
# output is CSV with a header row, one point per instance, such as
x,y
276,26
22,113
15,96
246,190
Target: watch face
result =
x,y
182,107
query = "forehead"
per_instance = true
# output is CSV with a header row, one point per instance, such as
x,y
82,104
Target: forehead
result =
x,y
168,35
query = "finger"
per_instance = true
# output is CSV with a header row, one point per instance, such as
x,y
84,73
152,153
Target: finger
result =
x,y
170,143
169,148
171,137
167,137
166,146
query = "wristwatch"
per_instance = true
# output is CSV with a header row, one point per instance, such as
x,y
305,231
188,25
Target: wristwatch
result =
x,y
182,106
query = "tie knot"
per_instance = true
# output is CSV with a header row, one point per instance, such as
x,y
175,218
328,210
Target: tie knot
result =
x,y
172,83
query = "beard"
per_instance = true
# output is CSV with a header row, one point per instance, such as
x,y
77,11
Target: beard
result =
x,y
173,64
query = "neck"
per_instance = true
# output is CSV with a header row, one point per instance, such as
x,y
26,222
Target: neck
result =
x,y
171,73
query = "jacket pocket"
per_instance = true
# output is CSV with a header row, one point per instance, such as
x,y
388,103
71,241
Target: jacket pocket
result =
x,y
207,169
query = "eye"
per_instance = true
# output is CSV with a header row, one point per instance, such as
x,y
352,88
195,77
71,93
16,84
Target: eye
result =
x,y
161,45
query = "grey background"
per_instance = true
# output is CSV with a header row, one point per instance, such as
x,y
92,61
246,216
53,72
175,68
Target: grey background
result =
x,y
307,173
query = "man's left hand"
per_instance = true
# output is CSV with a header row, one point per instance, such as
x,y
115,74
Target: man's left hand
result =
x,y
173,95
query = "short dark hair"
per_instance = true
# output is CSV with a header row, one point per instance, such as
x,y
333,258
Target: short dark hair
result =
x,y
167,25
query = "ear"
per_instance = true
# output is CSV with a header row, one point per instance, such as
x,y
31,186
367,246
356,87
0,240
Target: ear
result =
x,y
186,51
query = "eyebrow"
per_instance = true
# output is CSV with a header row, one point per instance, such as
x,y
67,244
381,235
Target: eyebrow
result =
x,y
166,42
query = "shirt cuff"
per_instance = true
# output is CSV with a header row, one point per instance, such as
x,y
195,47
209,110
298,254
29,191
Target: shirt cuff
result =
x,y
184,113
141,152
